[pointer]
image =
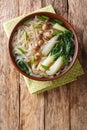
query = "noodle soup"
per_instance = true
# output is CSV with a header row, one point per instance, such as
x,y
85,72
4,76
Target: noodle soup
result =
x,y
43,47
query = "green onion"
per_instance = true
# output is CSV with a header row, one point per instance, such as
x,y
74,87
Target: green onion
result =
x,y
56,33
44,67
56,66
57,21
42,17
38,26
65,60
27,21
32,60
26,36
59,27
23,67
21,50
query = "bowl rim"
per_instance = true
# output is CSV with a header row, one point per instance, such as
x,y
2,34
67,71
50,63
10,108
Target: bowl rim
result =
x,y
53,16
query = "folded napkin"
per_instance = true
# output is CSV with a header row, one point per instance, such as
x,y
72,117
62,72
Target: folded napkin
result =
x,y
40,86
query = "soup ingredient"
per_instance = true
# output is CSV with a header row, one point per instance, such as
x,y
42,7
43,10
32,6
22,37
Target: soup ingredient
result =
x,y
57,21
38,26
27,21
41,42
47,35
23,66
50,59
59,27
42,17
40,32
43,46
57,65
36,47
45,26
47,48
32,60
64,48
45,67
21,50
66,44
37,56
26,36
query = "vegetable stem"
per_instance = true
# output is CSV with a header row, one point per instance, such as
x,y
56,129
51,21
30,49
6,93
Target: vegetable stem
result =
x,y
47,48
56,66
59,27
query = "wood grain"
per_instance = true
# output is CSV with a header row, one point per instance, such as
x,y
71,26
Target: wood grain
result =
x,y
9,91
78,90
57,101
31,107
63,108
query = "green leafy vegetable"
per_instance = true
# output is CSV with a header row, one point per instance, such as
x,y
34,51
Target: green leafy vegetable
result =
x,y
44,67
23,67
42,17
21,50
67,43
65,60
56,33
64,48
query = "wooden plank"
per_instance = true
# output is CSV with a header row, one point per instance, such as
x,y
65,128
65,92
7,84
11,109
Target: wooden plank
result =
x,y
57,101
31,107
78,91
9,91
49,111
60,6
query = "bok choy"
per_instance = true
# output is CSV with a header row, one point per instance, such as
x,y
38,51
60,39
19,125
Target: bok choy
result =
x,y
47,48
23,67
59,27
56,66
59,53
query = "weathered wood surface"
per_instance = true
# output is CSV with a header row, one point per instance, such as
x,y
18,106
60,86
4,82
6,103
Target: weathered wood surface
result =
x,y
9,78
64,108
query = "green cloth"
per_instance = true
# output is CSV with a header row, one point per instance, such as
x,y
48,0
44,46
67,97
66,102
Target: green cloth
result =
x,y
40,86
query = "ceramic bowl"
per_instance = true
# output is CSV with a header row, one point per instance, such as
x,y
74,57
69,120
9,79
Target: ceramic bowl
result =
x,y
52,16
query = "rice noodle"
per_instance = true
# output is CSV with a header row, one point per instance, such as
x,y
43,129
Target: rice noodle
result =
x,y
24,49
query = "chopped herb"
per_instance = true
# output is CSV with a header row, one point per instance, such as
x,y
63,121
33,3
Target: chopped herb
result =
x,y
23,67
32,60
27,21
38,26
57,21
45,67
56,33
21,50
65,60
26,36
42,17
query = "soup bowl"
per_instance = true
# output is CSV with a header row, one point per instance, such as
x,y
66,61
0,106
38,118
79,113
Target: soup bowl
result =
x,y
52,16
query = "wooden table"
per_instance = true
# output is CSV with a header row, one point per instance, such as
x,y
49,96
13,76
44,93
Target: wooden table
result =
x,y
64,108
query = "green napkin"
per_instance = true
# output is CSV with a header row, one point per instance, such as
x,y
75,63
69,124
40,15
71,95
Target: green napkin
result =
x,y
40,86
